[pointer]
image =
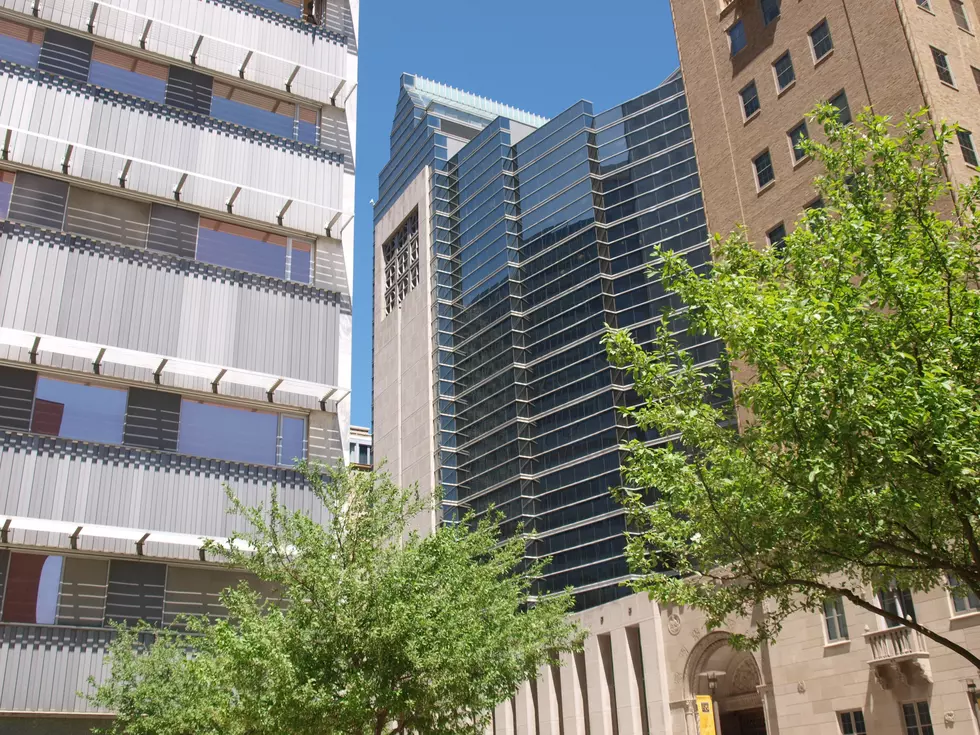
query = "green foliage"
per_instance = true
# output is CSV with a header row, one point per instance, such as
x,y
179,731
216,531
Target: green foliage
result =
x,y
376,630
855,366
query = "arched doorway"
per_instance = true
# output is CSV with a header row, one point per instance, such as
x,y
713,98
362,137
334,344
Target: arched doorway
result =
x,y
732,679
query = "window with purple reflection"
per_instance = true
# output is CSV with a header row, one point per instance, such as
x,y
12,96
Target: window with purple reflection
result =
x,y
78,411
300,260
6,189
241,248
227,432
293,444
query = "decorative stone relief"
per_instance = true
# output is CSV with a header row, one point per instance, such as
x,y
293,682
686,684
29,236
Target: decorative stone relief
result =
x,y
401,255
801,687
674,624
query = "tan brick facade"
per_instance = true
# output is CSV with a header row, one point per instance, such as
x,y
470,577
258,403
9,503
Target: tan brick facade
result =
x,y
881,58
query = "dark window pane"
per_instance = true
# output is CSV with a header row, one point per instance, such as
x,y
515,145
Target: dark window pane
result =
x,y
942,65
19,43
822,42
785,75
173,231
241,248
966,146
796,136
736,37
750,100
65,55
106,217
16,398
293,440
770,10
843,109
77,411
976,77
189,90
924,4
38,200
224,432
763,169
846,723
127,74
959,12
135,592
776,236
859,728
152,419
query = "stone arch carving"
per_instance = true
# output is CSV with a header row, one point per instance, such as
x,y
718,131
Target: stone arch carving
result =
x,y
747,670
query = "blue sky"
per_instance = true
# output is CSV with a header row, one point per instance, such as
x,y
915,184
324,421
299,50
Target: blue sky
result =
x,y
538,55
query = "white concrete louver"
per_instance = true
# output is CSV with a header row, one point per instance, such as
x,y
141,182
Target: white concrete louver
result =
x,y
215,374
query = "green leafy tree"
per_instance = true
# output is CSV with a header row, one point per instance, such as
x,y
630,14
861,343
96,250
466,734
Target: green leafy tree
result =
x,y
854,353
374,630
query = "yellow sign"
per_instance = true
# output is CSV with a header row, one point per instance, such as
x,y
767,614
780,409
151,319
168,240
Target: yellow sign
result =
x,y
706,716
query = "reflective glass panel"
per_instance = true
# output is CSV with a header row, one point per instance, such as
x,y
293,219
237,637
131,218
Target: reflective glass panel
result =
x,y
32,586
736,37
127,74
225,432
77,411
300,261
6,189
293,440
19,43
241,248
252,110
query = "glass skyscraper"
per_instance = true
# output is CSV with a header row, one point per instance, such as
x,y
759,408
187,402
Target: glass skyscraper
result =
x,y
531,236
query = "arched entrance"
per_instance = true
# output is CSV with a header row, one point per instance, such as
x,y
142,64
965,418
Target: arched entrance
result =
x,y
732,679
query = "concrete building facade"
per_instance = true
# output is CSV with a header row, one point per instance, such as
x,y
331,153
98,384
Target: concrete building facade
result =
x,y
176,206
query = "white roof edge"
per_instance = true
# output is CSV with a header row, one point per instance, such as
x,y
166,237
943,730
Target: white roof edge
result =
x,y
484,105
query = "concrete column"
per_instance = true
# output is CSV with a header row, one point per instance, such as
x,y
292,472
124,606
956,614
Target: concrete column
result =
x,y
628,693
691,717
549,701
526,717
503,718
575,693
655,670
602,693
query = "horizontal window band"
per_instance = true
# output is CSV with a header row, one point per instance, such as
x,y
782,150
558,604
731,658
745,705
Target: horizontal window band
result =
x,y
282,19
170,112
186,266
147,459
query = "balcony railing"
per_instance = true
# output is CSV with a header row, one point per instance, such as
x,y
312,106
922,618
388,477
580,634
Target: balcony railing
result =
x,y
898,653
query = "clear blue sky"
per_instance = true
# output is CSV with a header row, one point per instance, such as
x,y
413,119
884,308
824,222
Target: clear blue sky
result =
x,y
538,55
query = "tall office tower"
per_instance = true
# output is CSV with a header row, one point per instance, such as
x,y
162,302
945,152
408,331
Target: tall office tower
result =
x,y
504,243
175,289
754,69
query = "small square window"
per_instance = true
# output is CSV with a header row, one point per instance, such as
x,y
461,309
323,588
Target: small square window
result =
x,y
942,65
918,721
770,10
833,615
964,599
777,236
959,12
784,71
736,37
763,169
750,100
852,723
821,40
843,109
796,137
966,146
924,4
897,601
815,204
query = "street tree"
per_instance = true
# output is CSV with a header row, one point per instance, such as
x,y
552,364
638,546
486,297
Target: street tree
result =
x,y
371,629
848,460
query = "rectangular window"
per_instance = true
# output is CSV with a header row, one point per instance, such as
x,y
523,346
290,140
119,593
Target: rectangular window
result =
x,y
897,601
78,411
173,231
65,55
255,251
843,109
776,236
128,74
307,125
964,599
763,169
19,43
959,12
770,10
750,100
815,204
917,718
833,615
925,4
106,217
736,37
135,592
976,77
16,398
363,457
852,723
189,90
6,190
796,137
83,591
253,110
942,65
965,137
821,40
240,434
785,75
31,589
38,200
152,419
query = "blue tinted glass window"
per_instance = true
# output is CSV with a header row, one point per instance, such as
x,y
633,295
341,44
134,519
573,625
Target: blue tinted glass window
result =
x,y
292,9
77,411
6,189
736,37
300,261
770,10
128,74
785,75
241,248
293,444
225,432
307,125
253,110
20,44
